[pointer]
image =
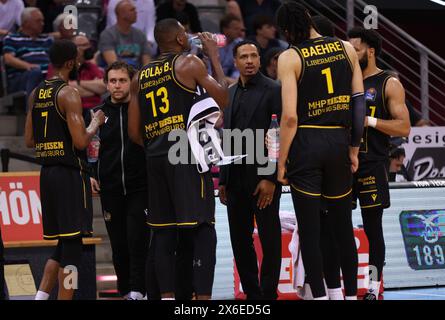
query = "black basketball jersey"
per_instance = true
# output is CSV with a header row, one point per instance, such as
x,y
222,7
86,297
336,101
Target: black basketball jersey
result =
x,y
164,104
324,87
53,142
375,144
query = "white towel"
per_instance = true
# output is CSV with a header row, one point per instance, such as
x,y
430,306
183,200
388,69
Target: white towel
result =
x,y
298,274
201,130
203,138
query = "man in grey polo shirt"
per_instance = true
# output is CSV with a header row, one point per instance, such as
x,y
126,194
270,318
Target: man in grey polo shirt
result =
x,y
122,41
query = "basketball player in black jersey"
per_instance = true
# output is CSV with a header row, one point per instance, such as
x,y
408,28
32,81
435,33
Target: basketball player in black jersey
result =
x,y
55,127
322,91
181,200
387,116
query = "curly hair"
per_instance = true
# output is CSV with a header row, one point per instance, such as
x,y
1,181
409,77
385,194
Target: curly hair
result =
x,y
370,37
294,21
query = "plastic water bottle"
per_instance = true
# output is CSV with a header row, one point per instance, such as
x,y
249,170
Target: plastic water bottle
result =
x,y
93,149
220,39
273,137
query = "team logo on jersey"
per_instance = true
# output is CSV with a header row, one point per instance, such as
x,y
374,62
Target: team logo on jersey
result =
x,y
370,94
374,196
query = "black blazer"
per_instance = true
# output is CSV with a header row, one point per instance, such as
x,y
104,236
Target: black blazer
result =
x,y
264,99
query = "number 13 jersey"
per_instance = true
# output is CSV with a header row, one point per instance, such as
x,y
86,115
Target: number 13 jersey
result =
x,y
164,104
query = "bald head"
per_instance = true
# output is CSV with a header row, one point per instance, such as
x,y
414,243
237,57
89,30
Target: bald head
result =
x,y
126,11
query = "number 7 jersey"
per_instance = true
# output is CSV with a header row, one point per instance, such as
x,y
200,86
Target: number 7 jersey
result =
x,y
164,104
53,142
325,83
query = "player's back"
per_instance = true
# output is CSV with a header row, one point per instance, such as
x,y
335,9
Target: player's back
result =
x,y
53,142
324,87
164,104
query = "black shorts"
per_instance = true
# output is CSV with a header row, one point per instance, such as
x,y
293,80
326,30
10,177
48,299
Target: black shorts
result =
x,y
371,186
66,203
319,164
179,196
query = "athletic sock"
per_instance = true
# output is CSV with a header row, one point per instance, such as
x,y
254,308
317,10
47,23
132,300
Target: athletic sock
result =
x,y
134,295
41,295
351,298
322,298
335,294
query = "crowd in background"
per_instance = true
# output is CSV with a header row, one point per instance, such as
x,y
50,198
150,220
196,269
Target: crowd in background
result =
x,y
125,32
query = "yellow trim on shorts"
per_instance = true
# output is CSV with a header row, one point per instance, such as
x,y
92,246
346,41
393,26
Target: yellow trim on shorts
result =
x,y
202,187
305,192
320,127
174,224
371,206
62,235
338,197
368,191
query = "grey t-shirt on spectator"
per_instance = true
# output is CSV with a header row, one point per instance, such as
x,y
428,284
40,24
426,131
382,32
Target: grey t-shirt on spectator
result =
x,y
128,47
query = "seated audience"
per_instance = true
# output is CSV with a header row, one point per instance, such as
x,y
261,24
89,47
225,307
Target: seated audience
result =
x,y
122,41
26,53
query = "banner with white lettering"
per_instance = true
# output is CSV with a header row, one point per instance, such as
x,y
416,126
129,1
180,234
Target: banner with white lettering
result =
x,y
425,153
20,208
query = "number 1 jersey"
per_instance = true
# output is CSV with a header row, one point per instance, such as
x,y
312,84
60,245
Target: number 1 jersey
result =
x,y
324,86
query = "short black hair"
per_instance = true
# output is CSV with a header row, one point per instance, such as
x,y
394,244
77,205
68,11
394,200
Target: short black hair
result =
x,y
397,153
61,52
165,30
244,42
227,20
324,26
119,65
261,20
294,19
368,36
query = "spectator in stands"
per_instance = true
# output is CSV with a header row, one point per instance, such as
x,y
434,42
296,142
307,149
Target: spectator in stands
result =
x,y
26,53
59,29
271,63
50,9
89,78
232,7
397,170
265,32
145,21
177,9
251,8
124,42
232,27
10,11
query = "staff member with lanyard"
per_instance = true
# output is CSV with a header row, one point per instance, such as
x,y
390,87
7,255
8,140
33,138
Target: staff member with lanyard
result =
x,y
123,185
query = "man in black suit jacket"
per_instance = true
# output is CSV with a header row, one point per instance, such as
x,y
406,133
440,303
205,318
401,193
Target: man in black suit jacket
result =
x,y
243,189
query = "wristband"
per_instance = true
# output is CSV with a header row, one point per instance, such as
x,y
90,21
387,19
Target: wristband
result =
x,y
372,122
